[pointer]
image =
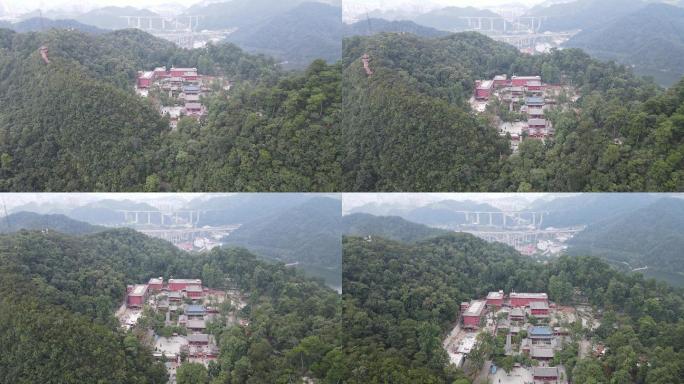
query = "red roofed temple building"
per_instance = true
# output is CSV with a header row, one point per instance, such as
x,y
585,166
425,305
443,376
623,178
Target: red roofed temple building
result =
x,y
524,299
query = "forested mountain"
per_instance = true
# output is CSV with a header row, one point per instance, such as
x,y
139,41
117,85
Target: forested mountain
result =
x,y
275,132
389,227
298,229
650,238
400,299
583,14
37,24
372,26
590,208
112,17
59,294
107,212
307,32
37,222
438,214
307,235
283,137
408,126
240,13
244,207
449,18
47,119
447,213
651,40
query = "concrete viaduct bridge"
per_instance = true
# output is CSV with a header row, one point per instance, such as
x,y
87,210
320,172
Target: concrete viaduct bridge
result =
x,y
519,238
165,217
520,31
504,218
515,24
163,24
184,31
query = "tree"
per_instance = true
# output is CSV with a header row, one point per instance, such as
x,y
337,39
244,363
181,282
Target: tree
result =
x,y
507,364
192,373
588,371
152,183
560,290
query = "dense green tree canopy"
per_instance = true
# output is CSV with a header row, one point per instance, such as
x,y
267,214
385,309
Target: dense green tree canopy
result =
x,y
75,124
400,299
60,293
408,126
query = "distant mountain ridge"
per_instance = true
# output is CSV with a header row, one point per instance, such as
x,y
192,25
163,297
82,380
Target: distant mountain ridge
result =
x,y
651,236
377,25
449,18
582,14
306,32
108,212
37,24
588,209
37,222
112,17
440,214
240,13
651,40
307,235
389,227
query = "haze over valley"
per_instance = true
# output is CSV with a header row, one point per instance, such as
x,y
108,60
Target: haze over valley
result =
x,y
633,232
300,231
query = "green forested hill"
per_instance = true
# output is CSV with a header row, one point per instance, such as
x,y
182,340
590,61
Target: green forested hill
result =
x,y
590,208
372,26
307,234
37,222
300,35
649,237
448,213
110,17
448,19
408,126
59,294
63,131
389,227
399,301
76,124
583,14
651,40
36,24
240,13
283,137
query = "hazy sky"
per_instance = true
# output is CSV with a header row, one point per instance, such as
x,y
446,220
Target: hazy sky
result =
x,y
19,6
